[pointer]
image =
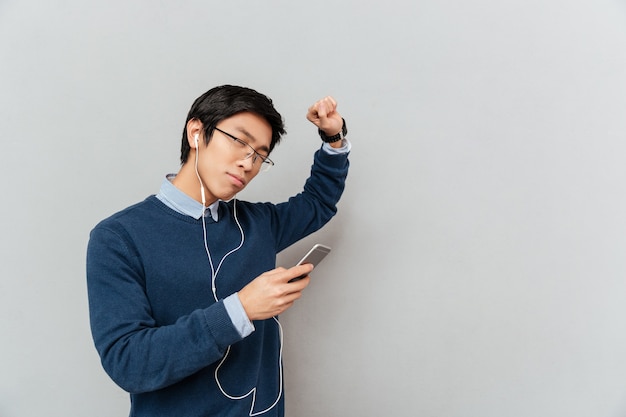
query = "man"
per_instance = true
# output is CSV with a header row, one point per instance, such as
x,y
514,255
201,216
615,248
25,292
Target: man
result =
x,y
183,290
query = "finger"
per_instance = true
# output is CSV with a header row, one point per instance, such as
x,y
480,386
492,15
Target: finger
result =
x,y
281,309
322,109
331,103
313,113
298,285
299,270
292,297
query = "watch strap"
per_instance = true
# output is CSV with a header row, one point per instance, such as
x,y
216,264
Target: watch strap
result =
x,y
339,136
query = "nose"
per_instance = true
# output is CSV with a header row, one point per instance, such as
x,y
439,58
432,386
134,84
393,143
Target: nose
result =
x,y
247,162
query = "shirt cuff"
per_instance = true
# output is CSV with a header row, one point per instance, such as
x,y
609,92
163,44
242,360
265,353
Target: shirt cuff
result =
x,y
345,147
238,315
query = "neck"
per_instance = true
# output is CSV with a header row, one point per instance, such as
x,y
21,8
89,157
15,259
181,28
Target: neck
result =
x,y
187,181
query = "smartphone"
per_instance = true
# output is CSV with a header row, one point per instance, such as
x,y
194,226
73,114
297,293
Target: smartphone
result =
x,y
313,256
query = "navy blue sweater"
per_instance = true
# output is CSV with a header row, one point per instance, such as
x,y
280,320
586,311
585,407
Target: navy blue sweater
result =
x,y
157,328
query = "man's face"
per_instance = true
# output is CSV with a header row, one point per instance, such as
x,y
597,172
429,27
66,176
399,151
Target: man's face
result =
x,y
222,164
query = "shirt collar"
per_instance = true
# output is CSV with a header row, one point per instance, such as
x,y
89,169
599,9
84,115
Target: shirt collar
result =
x,y
180,202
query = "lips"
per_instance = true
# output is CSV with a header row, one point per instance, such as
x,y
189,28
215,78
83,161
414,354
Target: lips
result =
x,y
238,181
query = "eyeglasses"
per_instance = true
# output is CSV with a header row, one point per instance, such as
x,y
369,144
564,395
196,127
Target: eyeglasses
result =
x,y
260,162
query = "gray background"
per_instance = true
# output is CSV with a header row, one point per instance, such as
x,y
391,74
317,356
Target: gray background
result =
x,y
478,265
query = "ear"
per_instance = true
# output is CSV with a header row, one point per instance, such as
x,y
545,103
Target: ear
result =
x,y
195,129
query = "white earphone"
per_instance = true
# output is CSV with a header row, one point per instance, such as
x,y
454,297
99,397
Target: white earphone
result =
x,y
195,138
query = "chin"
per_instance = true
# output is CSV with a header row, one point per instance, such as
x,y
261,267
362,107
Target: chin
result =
x,y
228,197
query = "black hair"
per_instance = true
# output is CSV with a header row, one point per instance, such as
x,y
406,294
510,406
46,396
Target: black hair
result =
x,y
222,102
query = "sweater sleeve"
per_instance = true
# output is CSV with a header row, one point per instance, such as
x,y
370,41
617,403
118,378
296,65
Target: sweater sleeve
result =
x,y
138,354
312,208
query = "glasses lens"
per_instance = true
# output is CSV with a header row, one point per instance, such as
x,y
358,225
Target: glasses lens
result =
x,y
261,162
266,165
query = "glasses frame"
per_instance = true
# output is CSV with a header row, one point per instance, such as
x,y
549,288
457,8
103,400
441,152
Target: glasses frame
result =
x,y
266,162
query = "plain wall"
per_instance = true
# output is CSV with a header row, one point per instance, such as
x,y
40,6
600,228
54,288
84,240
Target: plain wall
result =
x,y
478,263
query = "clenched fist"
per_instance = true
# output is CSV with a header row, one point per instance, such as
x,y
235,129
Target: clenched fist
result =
x,y
325,116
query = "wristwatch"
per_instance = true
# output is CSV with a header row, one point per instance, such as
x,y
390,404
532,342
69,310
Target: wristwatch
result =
x,y
337,137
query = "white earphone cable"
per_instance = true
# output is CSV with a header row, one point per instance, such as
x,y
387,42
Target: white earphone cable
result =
x,y
214,272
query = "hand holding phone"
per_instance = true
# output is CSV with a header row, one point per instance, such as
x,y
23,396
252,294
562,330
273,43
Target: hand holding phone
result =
x,y
313,256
